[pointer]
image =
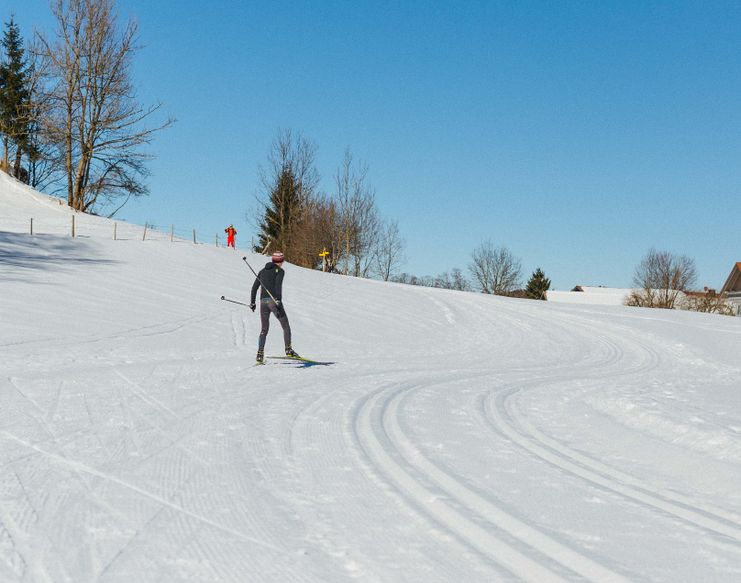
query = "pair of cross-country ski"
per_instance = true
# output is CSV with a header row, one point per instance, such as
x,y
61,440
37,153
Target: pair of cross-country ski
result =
x,y
306,362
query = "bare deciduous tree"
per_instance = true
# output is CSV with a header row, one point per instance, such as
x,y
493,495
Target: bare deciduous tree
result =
x,y
443,281
495,269
453,280
97,122
403,277
389,254
661,278
359,218
44,163
459,281
317,231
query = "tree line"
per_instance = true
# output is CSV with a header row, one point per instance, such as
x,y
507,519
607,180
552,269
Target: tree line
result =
x,y
69,118
493,270
299,219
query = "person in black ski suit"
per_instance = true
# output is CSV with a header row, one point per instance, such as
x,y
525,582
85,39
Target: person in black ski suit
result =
x,y
271,280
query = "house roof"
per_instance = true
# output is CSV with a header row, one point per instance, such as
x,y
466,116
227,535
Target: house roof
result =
x,y
733,283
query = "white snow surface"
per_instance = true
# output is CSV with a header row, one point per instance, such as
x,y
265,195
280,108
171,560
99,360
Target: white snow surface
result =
x,y
606,296
458,437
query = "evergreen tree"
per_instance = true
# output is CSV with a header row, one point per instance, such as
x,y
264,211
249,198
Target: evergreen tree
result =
x,y
14,94
538,285
290,203
282,214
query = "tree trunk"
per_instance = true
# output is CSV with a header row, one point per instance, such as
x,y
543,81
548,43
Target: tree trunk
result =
x,y
17,163
68,169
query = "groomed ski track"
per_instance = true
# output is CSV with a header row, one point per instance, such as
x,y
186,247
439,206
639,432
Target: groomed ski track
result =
x,y
458,437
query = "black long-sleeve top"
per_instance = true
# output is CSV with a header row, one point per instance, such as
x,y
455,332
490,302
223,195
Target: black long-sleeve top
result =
x,y
271,278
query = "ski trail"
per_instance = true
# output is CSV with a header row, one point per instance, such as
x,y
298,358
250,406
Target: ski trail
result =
x,y
173,441
79,466
160,329
447,312
485,508
512,424
95,499
499,411
239,330
438,511
24,547
385,406
139,392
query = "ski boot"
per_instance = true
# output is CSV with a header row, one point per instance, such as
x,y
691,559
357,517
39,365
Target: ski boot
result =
x,y
291,352
260,358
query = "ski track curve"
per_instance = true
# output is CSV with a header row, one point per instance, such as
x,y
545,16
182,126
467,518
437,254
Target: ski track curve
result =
x,y
498,409
319,453
472,518
504,416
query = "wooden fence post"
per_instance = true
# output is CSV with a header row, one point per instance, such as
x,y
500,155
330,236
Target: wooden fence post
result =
x,y
115,228
144,236
194,236
73,226
172,233
32,225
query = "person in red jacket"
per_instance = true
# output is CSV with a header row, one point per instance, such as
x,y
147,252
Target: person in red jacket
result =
x,y
230,233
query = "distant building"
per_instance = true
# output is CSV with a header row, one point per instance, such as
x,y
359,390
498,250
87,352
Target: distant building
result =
x,y
584,294
732,287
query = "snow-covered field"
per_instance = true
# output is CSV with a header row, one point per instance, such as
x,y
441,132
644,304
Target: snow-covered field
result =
x,y
458,437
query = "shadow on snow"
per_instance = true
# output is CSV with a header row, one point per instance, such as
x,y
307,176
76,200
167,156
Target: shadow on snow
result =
x,y
37,252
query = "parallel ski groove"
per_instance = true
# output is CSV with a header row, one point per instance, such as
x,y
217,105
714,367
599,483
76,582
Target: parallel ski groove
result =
x,y
501,414
469,530
480,506
507,420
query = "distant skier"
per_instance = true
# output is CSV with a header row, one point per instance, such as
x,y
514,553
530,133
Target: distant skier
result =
x,y
231,232
271,280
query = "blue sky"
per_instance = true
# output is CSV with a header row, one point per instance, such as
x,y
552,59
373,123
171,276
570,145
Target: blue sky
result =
x,y
577,134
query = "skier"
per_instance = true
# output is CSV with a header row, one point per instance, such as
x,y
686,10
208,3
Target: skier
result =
x,y
271,280
230,233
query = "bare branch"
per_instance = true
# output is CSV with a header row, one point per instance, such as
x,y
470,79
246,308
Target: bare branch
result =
x,y
495,268
661,277
95,121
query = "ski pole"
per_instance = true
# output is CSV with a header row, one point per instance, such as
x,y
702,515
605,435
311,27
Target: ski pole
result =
x,y
234,301
277,303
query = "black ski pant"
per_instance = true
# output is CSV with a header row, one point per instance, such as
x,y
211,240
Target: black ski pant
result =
x,y
267,305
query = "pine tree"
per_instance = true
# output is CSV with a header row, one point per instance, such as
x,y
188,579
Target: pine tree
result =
x,y
538,285
281,215
14,94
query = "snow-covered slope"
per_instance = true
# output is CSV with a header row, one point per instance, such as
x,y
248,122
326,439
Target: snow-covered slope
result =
x,y
458,437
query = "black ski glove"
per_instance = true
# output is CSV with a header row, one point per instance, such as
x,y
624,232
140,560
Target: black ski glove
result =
x,y
253,306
